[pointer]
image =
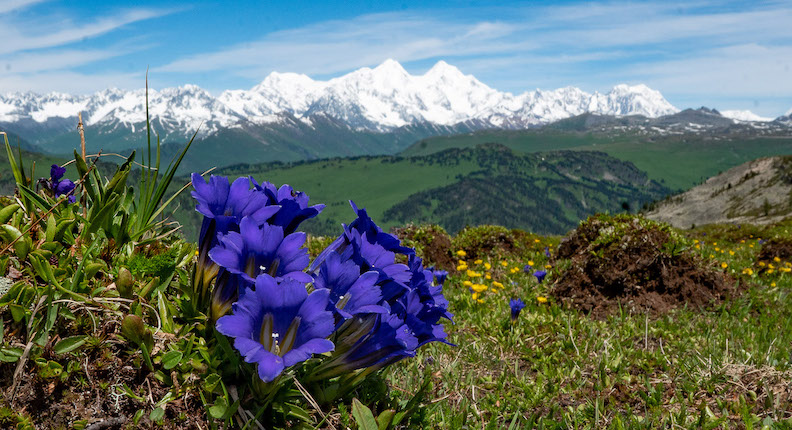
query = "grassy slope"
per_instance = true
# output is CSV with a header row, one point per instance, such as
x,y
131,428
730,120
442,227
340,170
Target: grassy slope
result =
x,y
679,162
398,190
558,368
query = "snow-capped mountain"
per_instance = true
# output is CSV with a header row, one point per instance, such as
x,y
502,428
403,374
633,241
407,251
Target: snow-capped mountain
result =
x,y
369,99
744,115
387,96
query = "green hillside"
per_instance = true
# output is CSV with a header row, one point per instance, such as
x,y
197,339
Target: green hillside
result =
x,y
678,161
548,192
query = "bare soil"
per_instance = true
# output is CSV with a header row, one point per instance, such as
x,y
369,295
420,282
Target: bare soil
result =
x,y
639,271
776,247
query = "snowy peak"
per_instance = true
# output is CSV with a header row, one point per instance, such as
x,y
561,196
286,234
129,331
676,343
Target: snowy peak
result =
x,y
380,98
744,116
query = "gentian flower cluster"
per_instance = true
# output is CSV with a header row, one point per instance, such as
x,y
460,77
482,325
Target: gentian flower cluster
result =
x,y
355,301
59,186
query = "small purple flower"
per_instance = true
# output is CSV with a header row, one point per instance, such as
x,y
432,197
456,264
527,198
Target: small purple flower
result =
x,y
262,249
294,205
440,276
61,187
547,251
540,275
528,268
223,205
516,306
350,292
279,325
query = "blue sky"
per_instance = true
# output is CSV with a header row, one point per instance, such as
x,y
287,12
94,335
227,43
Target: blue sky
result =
x,y
727,55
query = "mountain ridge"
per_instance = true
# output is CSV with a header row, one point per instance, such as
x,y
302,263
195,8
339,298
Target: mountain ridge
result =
x,y
373,99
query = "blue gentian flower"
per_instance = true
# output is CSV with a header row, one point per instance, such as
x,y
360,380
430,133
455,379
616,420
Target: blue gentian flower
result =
x,y
223,206
56,172
351,292
59,186
516,306
279,324
528,268
372,250
294,205
227,289
440,276
262,249
540,275
547,251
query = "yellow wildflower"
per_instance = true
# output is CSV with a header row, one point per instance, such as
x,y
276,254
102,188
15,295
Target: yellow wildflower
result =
x,y
497,284
467,284
480,301
487,266
776,259
462,267
479,288
504,264
473,274
475,296
770,271
547,266
541,299
698,246
750,246
461,253
731,252
537,241
530,263
724,265
785,269
770,266
717,249
479,261
772,284
748,271
488,276
761,264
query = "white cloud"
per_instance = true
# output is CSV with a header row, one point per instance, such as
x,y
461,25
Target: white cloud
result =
x,y
23,36
11,5
338,46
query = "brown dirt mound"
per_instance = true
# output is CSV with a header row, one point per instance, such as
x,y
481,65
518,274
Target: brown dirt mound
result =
x,y
635,264
431,243
776,247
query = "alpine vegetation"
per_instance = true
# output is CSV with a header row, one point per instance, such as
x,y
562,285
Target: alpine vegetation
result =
x,y
364,303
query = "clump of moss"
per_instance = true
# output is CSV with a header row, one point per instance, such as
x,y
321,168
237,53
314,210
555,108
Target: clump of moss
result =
x,y
431,242
317,244
494,241
160,263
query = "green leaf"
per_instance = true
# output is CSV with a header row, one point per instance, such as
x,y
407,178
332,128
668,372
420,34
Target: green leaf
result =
x,y
171,359
69,344
7,212
82,170
219,409
157,414
385,419
50,369
363,416
34,197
